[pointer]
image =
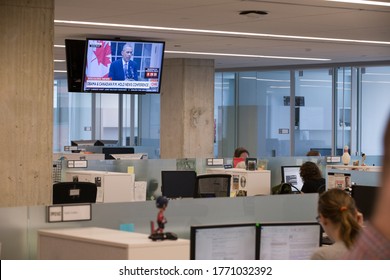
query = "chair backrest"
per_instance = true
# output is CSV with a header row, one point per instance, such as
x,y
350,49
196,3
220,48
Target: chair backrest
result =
x,y
213,185
74,192
321,189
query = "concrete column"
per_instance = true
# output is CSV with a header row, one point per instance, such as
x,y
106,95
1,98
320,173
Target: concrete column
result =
x,y
26,101
187,109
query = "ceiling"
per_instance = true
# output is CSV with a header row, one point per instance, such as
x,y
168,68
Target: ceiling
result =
x,y
308,18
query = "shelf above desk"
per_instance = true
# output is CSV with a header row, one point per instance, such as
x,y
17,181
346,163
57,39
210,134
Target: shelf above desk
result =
x,y
368,168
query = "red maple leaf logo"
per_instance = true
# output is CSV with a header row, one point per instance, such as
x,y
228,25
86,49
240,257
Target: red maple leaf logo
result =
x,y
103,54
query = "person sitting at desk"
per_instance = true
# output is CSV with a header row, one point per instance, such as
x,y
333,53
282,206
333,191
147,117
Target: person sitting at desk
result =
x,y
341,221
312,178
240,154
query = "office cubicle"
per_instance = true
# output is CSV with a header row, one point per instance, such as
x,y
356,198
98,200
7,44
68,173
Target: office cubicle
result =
x,y
19,225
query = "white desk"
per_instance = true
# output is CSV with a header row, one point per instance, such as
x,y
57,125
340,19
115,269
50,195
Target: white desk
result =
x,y
107,244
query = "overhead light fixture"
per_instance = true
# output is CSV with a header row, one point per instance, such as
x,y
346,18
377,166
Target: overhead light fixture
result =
x,y
241,55
364,2
251,55
218,32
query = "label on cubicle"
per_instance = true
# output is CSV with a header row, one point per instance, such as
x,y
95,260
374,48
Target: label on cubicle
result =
x,y
77,164
69,213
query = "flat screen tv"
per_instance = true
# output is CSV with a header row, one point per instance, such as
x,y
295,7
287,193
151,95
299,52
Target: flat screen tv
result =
x,y
75,51
119,66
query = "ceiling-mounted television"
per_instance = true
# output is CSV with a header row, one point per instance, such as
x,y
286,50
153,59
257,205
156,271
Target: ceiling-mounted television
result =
x,y
123,66
75,51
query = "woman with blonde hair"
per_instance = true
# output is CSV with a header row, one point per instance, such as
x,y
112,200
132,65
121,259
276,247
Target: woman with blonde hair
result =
x,y
340,219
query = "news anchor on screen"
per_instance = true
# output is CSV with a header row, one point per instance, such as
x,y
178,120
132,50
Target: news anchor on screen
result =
x,y
124,69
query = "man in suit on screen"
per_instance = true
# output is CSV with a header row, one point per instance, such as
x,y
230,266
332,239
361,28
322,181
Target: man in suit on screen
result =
x,y
124,69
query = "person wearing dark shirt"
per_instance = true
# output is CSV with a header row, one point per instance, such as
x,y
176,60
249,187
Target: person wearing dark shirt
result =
x,y
312,178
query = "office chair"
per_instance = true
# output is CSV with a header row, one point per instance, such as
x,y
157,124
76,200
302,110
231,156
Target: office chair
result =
x,y
321,189
74,192
213,185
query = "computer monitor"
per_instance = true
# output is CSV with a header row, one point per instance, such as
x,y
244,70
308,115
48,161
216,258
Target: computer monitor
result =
x,y
213,185
288,241
223,242
74,192
178,183
290,174
106,143
365,198
82,142
108,151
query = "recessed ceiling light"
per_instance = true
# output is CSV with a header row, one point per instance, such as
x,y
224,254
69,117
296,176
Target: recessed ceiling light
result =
x,y
250,55
219,32
364,2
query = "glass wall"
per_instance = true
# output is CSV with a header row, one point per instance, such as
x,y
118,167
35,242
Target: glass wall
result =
x,y
72,116
313,111
375,108
129,133
343,110
225,114
106,116
263,112
332,107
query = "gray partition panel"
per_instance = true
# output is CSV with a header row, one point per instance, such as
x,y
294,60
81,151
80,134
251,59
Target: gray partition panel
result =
x,y
21,242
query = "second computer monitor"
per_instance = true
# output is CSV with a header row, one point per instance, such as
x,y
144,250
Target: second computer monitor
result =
x,y
365,198
288,241
290,174
178,184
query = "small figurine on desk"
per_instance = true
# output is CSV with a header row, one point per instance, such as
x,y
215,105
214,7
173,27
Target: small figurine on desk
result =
x,y
346,158
158,234
363,159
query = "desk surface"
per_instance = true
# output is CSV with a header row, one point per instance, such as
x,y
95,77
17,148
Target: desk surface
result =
x,y
107,236
136,245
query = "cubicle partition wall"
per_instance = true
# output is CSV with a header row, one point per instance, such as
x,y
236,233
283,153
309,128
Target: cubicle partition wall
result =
x,y
150,170
19,225
18,230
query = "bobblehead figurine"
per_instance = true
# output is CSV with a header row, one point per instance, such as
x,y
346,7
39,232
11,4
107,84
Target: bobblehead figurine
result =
x,y
159,234
162,204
